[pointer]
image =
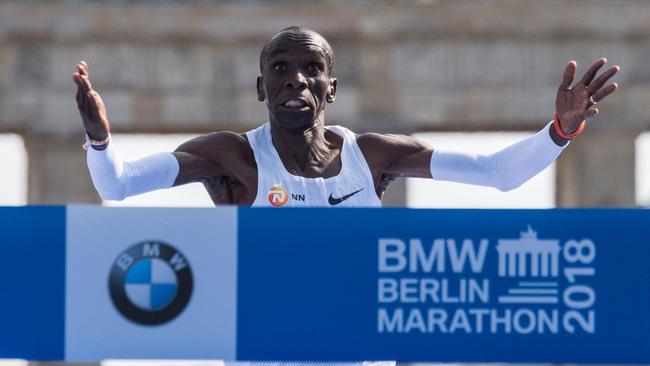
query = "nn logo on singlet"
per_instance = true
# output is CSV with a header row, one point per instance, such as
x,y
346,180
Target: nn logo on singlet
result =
x,y
278,196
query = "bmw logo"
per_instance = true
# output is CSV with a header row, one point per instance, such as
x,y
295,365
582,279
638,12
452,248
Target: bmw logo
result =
x,y
150,283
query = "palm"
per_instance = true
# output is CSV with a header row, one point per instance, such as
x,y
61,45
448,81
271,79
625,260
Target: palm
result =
x,y
574,104
90,104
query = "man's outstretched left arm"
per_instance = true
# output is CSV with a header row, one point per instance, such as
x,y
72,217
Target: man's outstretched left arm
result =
x,y
510,167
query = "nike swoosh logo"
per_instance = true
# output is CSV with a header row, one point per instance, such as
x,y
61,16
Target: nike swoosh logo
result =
x,y
335,201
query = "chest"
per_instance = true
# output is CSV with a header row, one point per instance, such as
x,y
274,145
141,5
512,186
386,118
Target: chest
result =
x,y
347,189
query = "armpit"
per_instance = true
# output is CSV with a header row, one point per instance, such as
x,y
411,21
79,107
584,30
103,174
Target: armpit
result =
x,y
224,189
384,182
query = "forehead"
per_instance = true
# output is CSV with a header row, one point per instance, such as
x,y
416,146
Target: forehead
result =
x,y
299,42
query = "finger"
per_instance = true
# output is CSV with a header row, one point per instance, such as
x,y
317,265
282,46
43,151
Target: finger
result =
x,y
82,90
78,79
82,66
75,78
569,73
82,104
90,104
591,73
86,83
78,96
590,112
602,79
602,93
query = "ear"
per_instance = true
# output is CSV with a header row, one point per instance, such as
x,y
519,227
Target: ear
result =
x,y
331,93
261,96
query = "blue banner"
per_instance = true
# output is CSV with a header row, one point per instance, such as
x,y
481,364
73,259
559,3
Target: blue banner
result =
x,y
553,286
32,280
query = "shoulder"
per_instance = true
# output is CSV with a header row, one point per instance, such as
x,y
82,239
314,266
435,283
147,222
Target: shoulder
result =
x,y
388,146
214,140
218,154
216,144
395,155
372,139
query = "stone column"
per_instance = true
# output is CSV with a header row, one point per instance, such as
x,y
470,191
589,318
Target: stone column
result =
x,y
57,170
597,170
377,92
378,111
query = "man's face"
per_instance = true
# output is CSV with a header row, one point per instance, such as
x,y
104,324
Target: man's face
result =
x,y
296,82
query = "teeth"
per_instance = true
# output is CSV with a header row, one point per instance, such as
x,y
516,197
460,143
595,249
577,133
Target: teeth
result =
x,y
294,103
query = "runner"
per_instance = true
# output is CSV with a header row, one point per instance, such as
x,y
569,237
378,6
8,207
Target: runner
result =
x,y
296,160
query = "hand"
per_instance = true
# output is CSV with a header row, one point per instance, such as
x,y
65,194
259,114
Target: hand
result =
x,y
577,103
90,104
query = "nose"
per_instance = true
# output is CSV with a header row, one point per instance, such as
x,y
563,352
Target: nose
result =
x,y
296,81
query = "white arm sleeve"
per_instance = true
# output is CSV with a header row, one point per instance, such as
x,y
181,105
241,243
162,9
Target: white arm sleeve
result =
x,y
505,170
116,180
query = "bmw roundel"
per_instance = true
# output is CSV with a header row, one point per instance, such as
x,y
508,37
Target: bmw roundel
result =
x,y
150,282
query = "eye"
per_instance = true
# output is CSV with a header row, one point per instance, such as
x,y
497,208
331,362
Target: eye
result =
x,y
279,67
314,68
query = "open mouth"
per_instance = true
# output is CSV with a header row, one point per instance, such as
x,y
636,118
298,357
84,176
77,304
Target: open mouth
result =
x,y
296,104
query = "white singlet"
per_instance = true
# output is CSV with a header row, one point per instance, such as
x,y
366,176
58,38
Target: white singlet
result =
x,y
276,187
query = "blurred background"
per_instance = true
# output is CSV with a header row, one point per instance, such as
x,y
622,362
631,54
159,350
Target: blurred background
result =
x,y
465,75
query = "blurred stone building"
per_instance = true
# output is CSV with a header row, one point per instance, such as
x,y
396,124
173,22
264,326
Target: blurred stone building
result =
x,y
403,67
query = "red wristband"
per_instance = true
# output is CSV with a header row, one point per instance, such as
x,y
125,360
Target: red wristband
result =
x,y
558,128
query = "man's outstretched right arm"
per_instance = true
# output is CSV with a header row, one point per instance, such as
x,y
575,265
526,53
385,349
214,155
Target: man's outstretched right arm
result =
x,y
116,179
113,178
203,157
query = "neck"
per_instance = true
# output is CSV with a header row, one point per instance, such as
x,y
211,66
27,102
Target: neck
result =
x,y
303,150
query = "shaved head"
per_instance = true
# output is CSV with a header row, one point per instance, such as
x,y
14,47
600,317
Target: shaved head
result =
x,y
297,33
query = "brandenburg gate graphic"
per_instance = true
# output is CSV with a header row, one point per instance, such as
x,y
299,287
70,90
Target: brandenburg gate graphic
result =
x,y
528,256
